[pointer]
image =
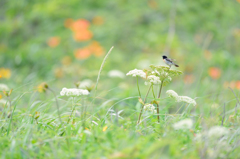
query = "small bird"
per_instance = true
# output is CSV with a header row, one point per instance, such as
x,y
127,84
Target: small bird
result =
x,y
168,61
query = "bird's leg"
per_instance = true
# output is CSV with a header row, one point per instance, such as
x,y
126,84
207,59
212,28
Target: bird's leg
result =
x,y
169,67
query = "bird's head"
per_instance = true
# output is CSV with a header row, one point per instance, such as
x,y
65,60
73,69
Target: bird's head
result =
x,y
164,57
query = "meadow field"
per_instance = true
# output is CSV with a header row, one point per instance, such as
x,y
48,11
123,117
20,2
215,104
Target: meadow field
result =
x,y
86,79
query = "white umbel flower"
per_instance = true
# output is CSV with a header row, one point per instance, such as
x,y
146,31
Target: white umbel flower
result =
x,y
152,79
73,92
85,83
136,72
3,87
183,124
116,74
150,107
178,98
217,131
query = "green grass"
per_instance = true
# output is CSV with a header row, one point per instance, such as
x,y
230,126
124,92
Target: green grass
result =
x,y
201,35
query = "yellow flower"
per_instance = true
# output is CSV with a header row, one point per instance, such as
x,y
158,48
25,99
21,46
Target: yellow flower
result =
x,y
42,87
5,73
104,128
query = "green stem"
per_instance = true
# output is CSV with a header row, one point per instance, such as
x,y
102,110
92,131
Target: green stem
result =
x,y
57,105
138,88
153,93
159,94
73,108
143,105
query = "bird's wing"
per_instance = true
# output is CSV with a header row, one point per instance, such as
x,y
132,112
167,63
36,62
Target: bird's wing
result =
x,y
172,59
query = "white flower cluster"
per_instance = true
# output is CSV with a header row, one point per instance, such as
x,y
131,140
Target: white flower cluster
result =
x,y
178,98
136,72
218,131
149,107
183,124
214,132
73,92
4,87
116,74
218,144
152,79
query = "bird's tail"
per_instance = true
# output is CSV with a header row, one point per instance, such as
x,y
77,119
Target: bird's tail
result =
x,y
176,65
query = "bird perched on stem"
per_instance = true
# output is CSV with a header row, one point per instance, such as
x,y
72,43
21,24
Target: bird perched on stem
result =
x,y
168,61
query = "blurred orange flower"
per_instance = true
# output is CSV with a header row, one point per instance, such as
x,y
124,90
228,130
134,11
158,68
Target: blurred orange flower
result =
x,y
214,72
96,48
68,23
238,1
53,41
238,85
79,25
82,53
189,79
5,73
83,35
98,20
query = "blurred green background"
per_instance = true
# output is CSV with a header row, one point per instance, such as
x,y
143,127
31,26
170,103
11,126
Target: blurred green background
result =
x,y
63,42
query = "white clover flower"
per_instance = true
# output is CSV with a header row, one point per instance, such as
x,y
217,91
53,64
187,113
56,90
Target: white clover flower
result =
x,y
4,87
153,80
178,98
85,83
73,92
217,131
116,73
136,72
183,124
149,107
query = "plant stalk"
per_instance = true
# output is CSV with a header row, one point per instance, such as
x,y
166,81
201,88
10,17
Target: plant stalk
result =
x,y
140,114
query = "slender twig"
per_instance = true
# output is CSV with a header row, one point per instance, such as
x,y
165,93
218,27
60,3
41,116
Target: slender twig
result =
x,y
234,94
57,104
100,70
138,88
140,114
223,113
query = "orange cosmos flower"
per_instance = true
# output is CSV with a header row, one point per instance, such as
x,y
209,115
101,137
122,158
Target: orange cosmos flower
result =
x,y
237,85
96,48
53,41
79,25
83,35
214,72
83,53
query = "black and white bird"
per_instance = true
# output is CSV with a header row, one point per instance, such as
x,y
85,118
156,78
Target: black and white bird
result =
x,y
168,61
